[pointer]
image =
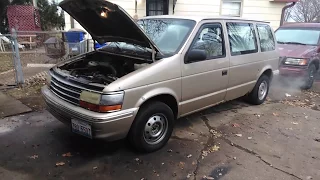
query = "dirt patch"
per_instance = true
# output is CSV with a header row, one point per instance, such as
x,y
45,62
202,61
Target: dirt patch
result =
x,y
29,95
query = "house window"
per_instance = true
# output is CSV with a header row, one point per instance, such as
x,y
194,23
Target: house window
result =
x,y
231,8
157,7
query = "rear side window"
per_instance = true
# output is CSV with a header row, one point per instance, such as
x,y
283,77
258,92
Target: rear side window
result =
x,y
242,38
267,42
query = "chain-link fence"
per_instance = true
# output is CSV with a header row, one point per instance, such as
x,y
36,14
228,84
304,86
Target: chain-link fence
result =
x,y
36,53
8,73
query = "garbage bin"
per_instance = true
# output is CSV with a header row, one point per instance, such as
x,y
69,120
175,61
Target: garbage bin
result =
x,y
75,39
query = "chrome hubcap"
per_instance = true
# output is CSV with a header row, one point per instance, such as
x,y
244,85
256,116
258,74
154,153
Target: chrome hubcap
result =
x,y
155,129
263,88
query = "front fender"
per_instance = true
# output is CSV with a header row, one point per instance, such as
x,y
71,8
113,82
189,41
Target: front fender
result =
x,y
156,92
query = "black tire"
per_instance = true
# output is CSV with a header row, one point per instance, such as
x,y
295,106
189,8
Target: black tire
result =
x,y
137,133
312,70
253,96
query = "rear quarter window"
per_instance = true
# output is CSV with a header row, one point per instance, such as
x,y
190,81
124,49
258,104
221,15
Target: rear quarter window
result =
x,y
267,42
242,38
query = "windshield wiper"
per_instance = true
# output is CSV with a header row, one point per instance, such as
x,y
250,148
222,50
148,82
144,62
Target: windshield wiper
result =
x,y
291,43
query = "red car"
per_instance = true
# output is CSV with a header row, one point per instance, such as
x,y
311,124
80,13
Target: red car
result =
x,y
299,47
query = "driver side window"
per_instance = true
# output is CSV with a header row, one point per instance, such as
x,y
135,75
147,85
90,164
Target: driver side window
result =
x,y
210,39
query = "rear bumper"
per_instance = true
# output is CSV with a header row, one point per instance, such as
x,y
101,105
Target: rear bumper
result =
x,y
293,72
110,126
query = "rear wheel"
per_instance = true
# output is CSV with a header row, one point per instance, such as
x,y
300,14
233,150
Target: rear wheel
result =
x,y
312,70
260,91
152,127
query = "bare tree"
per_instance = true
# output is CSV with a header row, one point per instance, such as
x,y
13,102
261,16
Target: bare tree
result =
x,y
306,11
287,15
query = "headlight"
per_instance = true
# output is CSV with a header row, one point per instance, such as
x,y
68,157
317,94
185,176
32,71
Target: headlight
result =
x,y
101,102
294,61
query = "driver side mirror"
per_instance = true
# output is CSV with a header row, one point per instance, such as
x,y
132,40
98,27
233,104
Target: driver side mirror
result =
x,y
196,55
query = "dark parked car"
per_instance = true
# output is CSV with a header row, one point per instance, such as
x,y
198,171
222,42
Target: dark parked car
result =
x,y
299,47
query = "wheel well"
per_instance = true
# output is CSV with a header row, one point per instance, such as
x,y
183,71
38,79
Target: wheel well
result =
x,y
168,100
268,73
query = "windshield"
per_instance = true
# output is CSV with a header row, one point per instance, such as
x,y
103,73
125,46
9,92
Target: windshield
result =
x,y
168,34
298,36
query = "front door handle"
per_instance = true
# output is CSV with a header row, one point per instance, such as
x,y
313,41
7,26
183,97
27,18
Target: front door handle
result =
x,y
224,72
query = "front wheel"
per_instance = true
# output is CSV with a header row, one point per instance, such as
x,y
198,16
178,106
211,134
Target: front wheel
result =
x,y
260,91
152,127
310,79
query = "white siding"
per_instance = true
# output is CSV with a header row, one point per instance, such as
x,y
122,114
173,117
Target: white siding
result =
x,y
263,10
251,9
197,7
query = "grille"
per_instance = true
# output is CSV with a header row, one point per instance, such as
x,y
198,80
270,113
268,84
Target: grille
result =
x,y
68,89
65,91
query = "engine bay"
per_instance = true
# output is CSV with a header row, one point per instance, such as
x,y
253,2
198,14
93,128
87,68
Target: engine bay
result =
x,y
101,68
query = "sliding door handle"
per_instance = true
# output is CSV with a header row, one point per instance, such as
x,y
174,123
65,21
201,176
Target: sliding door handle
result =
x,y
224,72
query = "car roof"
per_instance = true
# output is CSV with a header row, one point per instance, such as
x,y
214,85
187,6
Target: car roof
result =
x,y
200,18
303,25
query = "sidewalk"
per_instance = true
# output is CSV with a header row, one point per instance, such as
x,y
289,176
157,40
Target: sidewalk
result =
x,y
10,106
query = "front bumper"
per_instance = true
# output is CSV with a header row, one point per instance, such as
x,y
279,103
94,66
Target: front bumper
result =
x,y
110,126
293,72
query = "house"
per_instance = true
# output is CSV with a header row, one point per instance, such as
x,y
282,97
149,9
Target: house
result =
x,y
265,10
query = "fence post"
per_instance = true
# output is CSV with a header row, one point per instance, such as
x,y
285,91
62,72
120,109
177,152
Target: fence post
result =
x,y
17,61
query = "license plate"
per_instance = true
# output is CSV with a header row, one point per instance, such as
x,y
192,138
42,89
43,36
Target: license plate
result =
x,y
81,128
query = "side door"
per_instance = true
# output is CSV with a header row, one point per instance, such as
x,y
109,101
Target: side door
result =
x,y
245,60
205,80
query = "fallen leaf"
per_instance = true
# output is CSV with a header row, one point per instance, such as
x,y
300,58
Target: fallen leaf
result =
x,y
295,123
249,138
239,135
181,165
194,163
234,158
60,163
189,175
275,114
235,125
68,154
189,156
169,150
209,178
214,148
33,157
94,168
306,117
137,159
288,95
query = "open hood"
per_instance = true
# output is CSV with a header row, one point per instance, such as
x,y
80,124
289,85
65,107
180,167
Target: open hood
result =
x,y
106,21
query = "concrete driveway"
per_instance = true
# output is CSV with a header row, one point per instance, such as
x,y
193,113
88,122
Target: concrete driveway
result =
x,y
233,141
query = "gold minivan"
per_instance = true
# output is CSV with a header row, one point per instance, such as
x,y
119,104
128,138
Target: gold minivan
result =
x,y
156,70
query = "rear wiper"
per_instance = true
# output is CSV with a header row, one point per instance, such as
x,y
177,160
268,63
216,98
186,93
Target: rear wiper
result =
x,y
291,43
